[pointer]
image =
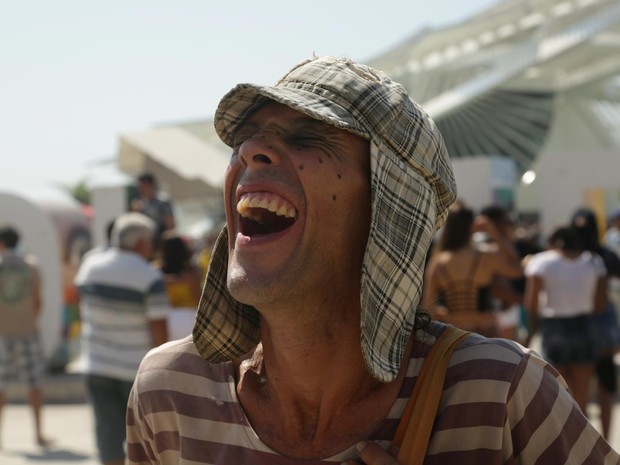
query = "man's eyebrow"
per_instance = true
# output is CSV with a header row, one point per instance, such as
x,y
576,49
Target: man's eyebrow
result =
x,y
304,121
296,123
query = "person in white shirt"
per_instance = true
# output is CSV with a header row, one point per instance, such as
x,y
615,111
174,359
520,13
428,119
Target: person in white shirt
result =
x,y
124,307
564,286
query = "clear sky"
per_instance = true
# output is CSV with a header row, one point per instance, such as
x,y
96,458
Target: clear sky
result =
x,y
75,74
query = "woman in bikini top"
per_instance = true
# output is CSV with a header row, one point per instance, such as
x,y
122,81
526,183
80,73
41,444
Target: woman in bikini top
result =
x,y
459,276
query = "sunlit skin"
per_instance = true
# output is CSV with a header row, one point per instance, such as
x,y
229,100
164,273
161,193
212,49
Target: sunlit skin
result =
x,y
324,173
305,389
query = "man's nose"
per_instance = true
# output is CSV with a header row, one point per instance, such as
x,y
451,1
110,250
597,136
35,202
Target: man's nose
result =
x,y
259,150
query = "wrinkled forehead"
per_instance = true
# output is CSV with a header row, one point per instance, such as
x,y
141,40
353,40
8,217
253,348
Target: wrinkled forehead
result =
x,y
295,118
303,130
271,109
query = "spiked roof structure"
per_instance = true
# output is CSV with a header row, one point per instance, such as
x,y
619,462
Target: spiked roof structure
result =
x,y
534,82
492,82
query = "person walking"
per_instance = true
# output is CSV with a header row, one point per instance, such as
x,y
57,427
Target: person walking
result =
x,y
565,285
604,324
21,352
123,306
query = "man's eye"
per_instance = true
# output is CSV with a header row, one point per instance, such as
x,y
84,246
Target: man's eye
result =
x,y
237,141
305,139
241,136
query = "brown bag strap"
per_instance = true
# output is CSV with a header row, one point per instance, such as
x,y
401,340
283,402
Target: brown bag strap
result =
x,y
416,424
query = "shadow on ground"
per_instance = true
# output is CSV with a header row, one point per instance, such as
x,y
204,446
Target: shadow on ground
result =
x,y
54,455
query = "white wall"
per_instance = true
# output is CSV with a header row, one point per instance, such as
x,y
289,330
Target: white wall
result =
x,y
478,177
39,237
579,157
108,202
565,179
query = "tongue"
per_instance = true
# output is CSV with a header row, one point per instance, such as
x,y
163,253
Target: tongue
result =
x,y
264,222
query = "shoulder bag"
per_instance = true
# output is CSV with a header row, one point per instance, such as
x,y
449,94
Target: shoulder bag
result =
x,y
414,429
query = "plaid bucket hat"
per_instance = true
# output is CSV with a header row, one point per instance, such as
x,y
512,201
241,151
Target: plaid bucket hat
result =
x,y
412,187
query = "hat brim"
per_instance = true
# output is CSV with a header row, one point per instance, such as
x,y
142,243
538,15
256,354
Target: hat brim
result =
x,y
244,99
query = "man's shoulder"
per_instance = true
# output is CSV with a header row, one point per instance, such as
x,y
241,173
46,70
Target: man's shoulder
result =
x,y
181,358
92,263
545,255
478,353
541,259
31,260
19,276
15,257
97,256
480,350
137,264
127,267
169,352
488,370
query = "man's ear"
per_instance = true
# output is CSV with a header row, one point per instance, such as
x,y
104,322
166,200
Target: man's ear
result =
x,y
144,247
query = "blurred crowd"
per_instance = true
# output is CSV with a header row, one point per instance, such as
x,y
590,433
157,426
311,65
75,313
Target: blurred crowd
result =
x,y
138,290
486,272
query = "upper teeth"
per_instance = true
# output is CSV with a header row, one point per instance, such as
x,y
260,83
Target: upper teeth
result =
x,y
267,201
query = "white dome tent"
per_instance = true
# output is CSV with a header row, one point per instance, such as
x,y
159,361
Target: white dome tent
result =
x,y
40,237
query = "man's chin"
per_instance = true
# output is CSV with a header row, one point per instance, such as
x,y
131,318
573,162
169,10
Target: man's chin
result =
x,y
244,290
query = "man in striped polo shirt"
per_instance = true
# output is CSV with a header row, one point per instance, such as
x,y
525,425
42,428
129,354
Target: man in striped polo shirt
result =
x,y
308,343
123,305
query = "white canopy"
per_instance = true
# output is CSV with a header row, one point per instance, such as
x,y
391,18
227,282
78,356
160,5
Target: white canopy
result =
x,y
180,154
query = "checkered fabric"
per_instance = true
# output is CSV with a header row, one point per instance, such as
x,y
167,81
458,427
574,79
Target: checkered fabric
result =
x,y
412,188
21,360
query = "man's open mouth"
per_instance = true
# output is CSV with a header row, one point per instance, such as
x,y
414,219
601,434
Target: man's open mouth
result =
x,y
264,213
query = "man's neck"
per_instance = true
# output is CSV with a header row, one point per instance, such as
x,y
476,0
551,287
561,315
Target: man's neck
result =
x,y
314,359
308,386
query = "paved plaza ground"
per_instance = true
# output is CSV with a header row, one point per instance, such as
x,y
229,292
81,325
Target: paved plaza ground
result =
x,y
69,425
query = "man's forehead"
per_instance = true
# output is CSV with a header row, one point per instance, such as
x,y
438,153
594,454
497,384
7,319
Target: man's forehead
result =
x,y
293,118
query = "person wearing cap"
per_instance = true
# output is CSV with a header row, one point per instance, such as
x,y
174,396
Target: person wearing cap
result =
x,y
308,340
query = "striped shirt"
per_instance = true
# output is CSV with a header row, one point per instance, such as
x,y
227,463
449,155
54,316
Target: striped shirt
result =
x,y
120,292
501,404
